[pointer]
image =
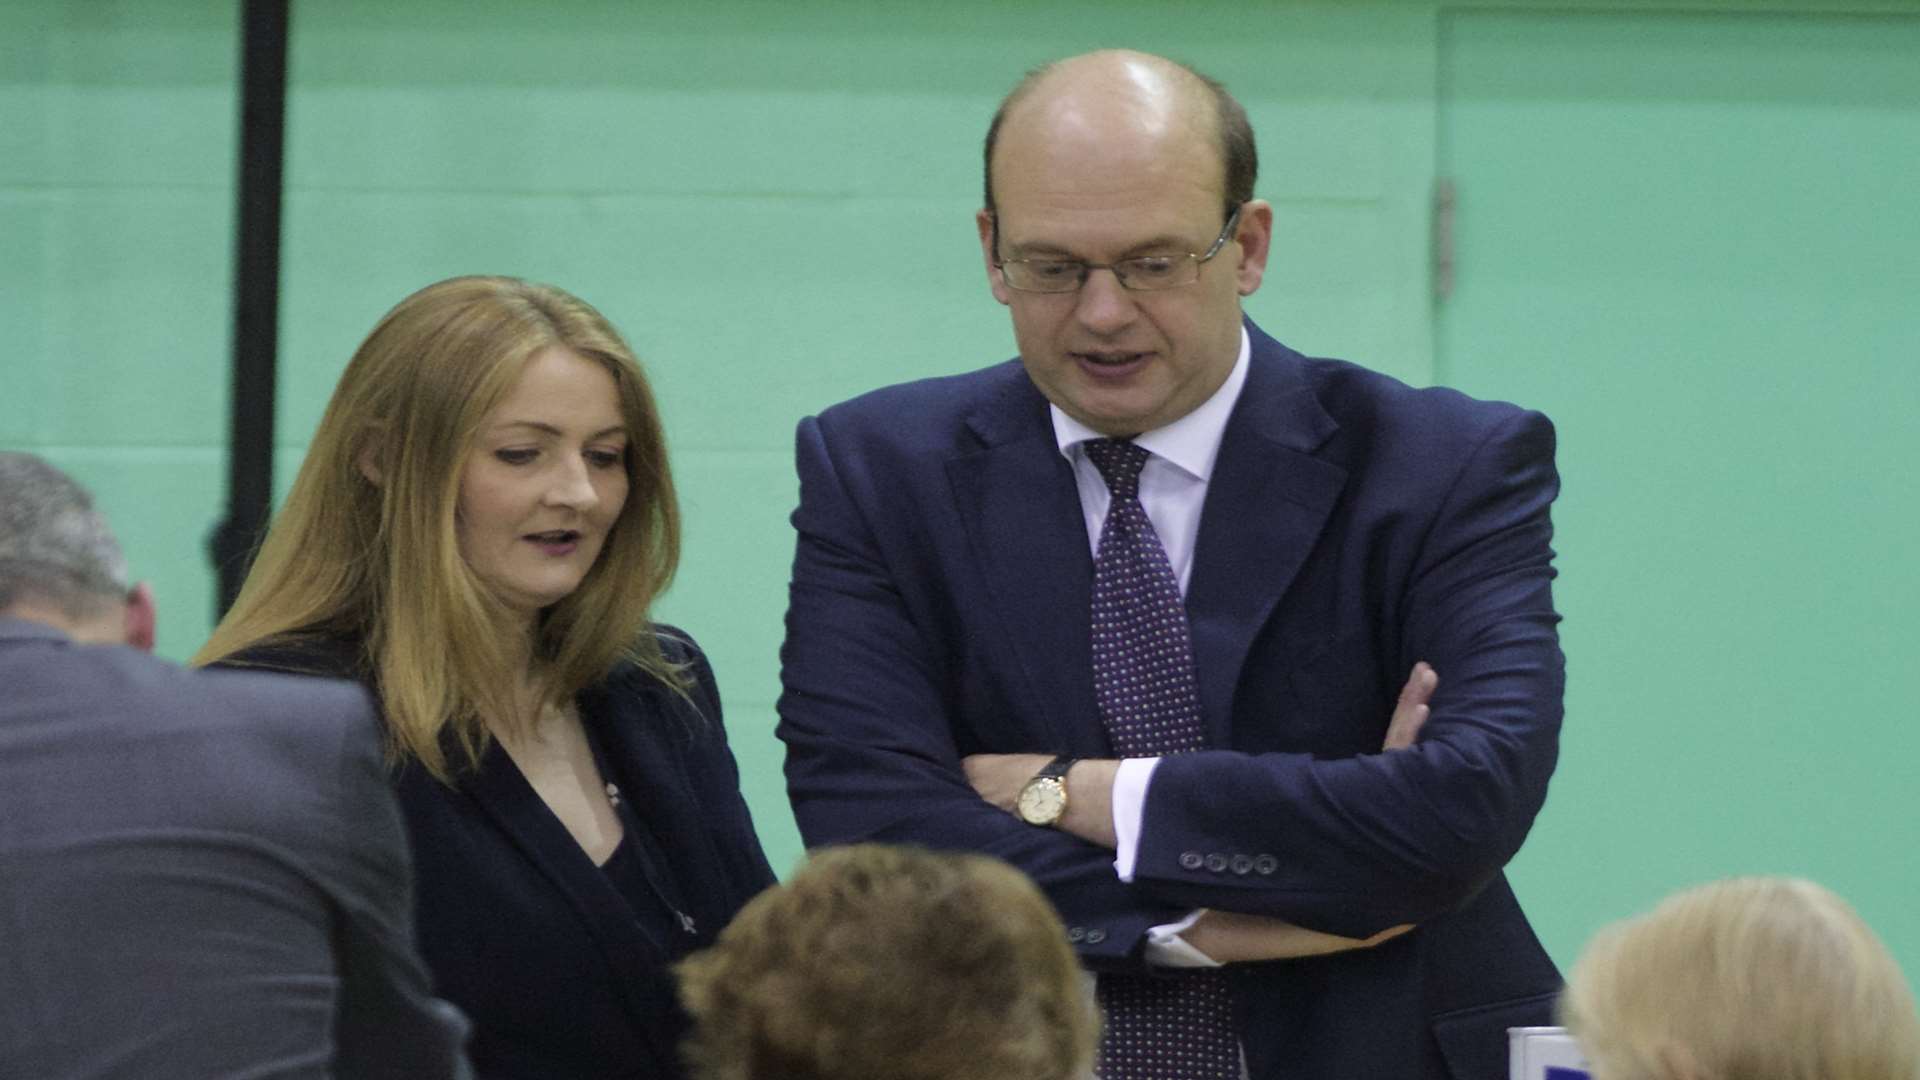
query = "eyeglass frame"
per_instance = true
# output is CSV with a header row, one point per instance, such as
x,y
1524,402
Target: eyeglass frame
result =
x,y
1087,268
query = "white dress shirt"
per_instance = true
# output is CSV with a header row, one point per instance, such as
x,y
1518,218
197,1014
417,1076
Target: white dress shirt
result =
x,y
1173,488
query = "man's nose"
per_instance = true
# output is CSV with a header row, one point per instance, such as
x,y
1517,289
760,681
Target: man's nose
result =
x,y
1105,305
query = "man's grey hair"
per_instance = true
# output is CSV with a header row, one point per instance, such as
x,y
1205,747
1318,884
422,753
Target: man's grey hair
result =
x,y
54,546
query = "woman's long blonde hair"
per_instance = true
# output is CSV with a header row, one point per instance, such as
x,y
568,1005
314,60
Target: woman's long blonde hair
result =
x,y
366,544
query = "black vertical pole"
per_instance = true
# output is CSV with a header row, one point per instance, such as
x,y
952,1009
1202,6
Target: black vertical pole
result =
x,y
256,293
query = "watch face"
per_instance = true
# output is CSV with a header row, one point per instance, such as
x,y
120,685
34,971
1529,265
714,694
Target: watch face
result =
x,y
1041,801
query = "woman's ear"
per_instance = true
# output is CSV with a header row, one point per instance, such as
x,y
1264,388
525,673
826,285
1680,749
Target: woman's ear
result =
x,y
368,461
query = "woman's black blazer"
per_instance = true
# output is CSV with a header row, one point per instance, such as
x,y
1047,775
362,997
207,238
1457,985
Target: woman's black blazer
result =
x,y
521,930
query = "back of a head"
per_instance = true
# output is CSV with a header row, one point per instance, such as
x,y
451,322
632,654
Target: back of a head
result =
x,y
1759,978
56,552
876,962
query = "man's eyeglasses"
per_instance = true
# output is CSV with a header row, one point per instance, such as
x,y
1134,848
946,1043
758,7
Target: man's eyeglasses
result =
x,y
1142,273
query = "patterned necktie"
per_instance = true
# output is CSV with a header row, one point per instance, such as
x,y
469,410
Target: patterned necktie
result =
x,y
1179,1026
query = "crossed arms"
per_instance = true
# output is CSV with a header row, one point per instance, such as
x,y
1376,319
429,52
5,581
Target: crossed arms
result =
x,y
1225,937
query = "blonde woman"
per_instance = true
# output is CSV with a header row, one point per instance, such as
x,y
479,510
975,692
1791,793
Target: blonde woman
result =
x,y
1758,978
478,532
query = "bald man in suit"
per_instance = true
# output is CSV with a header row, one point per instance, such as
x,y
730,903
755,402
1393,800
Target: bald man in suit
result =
x,y
1187,735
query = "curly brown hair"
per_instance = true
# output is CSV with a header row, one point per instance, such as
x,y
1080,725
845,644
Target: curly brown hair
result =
x,y
881,962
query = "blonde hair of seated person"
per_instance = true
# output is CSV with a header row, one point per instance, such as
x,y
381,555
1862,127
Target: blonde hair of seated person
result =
x,y
882,962
1756,978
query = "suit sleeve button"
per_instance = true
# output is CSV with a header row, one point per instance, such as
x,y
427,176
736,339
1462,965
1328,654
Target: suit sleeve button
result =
x,y
1242,864
1076,934
1266,865
1216,862
1096,936
1190,860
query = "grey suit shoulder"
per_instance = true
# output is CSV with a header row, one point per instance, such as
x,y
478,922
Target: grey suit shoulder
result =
x,y
203,875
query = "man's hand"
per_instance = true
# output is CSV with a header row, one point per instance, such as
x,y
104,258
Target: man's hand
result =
x,y
1232,938
1410,712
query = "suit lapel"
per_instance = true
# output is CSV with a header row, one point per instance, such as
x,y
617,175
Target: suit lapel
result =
x,y
1266,504
1021,512
661,795
504,794
1267,501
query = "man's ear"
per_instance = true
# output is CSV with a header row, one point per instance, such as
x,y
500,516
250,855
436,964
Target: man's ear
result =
x,y
142,618
985,222
1255,235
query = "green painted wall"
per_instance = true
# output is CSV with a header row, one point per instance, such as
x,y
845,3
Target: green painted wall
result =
x,y
1694,241
774,201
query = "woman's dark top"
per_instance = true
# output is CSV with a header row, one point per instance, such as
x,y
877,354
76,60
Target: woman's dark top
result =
x,y
561,964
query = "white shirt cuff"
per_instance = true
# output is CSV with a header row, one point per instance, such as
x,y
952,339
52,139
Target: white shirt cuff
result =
x,y
1166,948
1129,806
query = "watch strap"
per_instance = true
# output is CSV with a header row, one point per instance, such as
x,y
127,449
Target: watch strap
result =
x,y
1056,769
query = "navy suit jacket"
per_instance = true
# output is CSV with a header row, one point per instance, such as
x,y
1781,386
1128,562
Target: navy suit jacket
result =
x,y
1353,525
522,930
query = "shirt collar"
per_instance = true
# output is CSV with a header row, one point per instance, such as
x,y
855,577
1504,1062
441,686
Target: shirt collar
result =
x,y
1190,443
25,629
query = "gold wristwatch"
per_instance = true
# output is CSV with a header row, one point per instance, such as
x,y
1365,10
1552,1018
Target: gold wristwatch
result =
x,y
1044,798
